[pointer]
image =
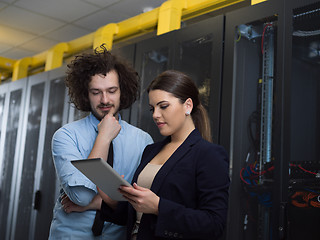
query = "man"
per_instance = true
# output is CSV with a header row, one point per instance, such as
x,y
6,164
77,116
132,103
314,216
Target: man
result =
x,y
102,84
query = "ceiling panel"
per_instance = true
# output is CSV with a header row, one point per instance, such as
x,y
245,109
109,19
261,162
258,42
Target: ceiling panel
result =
x,y
18,18
136,8
8,1
39,44
17,53
4,47
102,3
2,5
14,37
67,33
101,18
68,11
33,26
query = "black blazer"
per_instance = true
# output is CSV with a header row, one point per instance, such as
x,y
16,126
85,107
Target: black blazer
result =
x,y
193,189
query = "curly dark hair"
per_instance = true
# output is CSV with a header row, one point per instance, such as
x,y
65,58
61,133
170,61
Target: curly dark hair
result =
x,y
85,66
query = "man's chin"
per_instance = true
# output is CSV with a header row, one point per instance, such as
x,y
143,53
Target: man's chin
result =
x,y
100,115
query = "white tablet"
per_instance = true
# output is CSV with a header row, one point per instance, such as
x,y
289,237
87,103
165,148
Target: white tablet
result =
x,y
103,176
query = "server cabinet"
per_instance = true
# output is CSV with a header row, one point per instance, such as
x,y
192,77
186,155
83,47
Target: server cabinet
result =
x,y
270,104
249,111
199,53
304,114
12,102
23,197
45,188
153,56
33,189
126,53
195,50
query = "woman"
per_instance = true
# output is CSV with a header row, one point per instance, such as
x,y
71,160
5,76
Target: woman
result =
x,y
180,189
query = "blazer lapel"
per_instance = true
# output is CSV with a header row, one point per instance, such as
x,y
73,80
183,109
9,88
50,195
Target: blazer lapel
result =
x,y
182,150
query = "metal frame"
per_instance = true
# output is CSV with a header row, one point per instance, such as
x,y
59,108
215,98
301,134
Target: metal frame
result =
x,y
15,174
228,131
42,77
54,74
31,82
4,89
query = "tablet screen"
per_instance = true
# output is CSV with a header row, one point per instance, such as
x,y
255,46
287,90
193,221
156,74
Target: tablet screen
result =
x,y
103,176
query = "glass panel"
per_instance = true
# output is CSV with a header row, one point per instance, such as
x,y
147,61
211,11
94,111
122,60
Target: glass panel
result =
x,y
8,158
29,162
2,98
195,60
48,176
304,180
253,119
154,63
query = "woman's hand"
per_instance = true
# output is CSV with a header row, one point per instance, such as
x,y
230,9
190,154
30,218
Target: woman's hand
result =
x,y
142,199
111,203
70,206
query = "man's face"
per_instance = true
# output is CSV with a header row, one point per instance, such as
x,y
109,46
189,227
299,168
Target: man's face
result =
x,y
104,94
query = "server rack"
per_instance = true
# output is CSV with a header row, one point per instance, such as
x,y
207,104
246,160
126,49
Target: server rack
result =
x,y
249,111
267,125
304,164
12,105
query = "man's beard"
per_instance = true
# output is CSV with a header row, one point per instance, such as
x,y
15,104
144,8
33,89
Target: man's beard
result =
x,y
99,116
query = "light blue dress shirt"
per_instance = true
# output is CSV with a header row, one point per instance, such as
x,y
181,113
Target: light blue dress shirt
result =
x,y
75,141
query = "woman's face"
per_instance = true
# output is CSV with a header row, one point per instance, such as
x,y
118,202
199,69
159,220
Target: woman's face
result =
x,y
168,112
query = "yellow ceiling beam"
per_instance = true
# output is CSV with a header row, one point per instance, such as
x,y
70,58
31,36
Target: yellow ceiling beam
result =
x,y
200,7
253,2
20,68
55,56
137,25
105,35
7,63
170,14
164,19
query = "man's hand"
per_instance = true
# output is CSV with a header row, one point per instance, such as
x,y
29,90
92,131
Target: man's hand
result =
x,y
70,206
109,127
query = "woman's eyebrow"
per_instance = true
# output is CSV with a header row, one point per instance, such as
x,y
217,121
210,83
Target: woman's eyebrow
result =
x,y
164,101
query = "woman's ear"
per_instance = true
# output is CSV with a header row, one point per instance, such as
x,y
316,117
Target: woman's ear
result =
x,y
188,104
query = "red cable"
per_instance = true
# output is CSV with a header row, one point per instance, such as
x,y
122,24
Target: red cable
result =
x,y
262,39
243,178
299,166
